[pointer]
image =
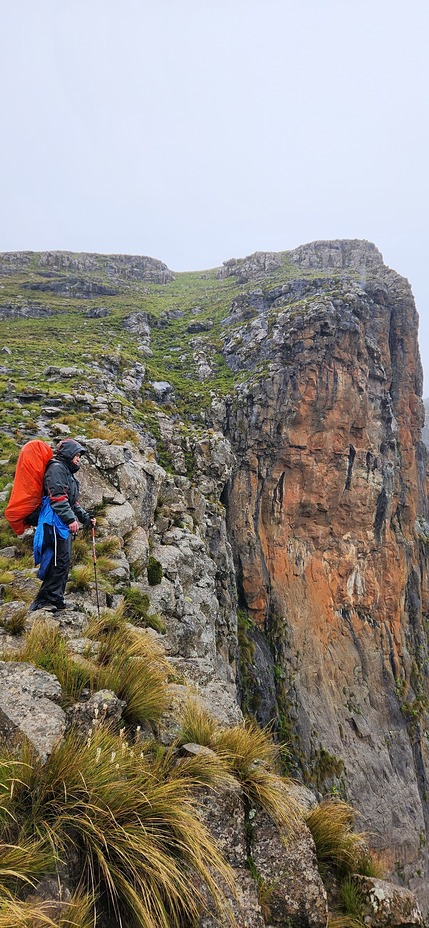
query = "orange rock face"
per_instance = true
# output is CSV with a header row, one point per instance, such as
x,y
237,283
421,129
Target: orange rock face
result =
x,y
322,513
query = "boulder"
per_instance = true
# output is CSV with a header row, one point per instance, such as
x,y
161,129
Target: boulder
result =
x,y
137,550
287,868
28,706
120,519
224,816
103,706
387,905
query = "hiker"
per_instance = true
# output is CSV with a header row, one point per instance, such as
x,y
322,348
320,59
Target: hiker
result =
x,y
58,520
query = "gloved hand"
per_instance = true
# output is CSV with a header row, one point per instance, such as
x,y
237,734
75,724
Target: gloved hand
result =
x,y
74,527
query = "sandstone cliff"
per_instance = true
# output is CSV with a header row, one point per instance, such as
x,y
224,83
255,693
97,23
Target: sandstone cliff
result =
x,y
256,430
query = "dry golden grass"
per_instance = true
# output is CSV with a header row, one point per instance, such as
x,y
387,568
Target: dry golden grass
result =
x,y
345,921
131,819
24,863
78,913
80,578
331,824
16,622
197,725
131,664
46,647
247,753
137,676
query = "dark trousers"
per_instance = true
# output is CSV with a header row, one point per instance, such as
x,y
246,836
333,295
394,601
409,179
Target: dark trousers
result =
x,y
52,590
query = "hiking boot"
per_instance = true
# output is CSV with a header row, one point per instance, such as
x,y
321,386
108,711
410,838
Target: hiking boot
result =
x,y
64,605
35,606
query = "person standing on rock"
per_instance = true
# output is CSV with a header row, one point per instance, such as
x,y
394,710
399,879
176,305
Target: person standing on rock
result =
x,y
58,521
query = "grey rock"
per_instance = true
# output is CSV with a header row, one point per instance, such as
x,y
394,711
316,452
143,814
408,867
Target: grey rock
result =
x,y
31,310
105,455
203,326
59,430
223,815
65,373
162,390
120,519
137,550
28,706
259,264
194,750
352,253
288,867
98,312
103,706
388,905
9,551
138,324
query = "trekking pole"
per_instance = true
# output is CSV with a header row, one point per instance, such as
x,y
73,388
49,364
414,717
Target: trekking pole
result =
x,y
94,558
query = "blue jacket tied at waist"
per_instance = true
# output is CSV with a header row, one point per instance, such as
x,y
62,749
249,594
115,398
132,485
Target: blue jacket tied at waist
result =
x,y
44,544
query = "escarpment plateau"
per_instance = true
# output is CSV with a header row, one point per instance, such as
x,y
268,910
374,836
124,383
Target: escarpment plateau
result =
x,y
255,431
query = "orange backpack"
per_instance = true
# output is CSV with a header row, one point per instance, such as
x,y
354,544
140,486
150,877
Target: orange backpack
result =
x,y
27,490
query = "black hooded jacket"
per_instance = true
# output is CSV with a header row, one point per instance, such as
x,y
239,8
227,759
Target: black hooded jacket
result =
x,y
61,486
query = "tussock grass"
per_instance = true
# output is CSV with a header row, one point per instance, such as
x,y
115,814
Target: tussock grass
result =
x,y
78,913
198,726
132,665
352,899
345,921
337,844
130,817
204,768
47,648
15,624
109,545
81,549
114,434
105,565
136,673
253,758
109,622
80,578
249,754
24,863
368,865
6,576
129,663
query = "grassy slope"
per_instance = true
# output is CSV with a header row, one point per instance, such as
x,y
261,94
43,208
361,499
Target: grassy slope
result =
x,y
69,338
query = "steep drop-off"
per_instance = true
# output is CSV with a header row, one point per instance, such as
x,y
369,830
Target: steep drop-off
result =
x,y
322,508
282,393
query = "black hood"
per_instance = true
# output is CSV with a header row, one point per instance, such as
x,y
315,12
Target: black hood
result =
x,y
67,449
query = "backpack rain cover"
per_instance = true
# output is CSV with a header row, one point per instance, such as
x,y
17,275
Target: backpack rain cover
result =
x,y
27,490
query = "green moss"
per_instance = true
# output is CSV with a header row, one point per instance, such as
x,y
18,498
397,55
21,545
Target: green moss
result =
x,y
250,699
136,610
154,571
294,759
324,767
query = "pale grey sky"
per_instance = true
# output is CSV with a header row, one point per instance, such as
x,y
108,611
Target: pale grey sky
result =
x,y
198,130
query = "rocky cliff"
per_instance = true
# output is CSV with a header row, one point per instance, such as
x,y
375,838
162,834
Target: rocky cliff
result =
x,y
255,431
322,508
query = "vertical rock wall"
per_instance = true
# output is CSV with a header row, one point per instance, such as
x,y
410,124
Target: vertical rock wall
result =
x,y
322,510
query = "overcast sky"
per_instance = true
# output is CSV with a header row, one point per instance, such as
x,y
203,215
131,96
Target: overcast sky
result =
x,y
198,130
